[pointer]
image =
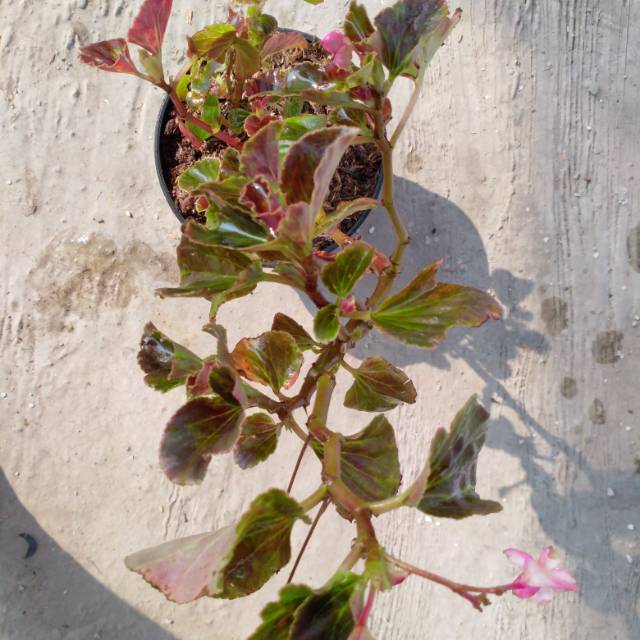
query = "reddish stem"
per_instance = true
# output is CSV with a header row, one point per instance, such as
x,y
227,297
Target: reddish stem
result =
x,y
464,590
298,462
185,114
321,510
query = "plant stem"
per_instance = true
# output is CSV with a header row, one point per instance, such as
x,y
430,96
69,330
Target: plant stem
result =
x,y
291,422
298,462
464,590
314,524
352,557
406,113
402,237
315,498
184,113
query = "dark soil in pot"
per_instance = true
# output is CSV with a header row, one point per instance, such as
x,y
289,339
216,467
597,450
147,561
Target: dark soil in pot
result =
x,y
358,175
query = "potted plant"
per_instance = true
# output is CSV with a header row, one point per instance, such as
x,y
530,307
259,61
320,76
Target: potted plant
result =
x,y
263,200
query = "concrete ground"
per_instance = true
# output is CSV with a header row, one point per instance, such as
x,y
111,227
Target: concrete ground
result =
x,y
519,167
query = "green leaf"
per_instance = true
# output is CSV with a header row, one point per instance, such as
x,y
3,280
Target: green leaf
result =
x,y
231,228
206,270
341,275
281,322
263,544
237,118
369,461
277,617
261,25
213,41
201,428
166,363
423,312
247,60
211,112
182,88
429,45
327,614
401,27
292,107
272,358
229,563
258,440
324,222
295,127
357,25
200,133
451,487
199,173
152,64
379,386
326,324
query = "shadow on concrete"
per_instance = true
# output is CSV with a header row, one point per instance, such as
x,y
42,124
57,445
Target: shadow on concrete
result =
x,y
49,596
576,522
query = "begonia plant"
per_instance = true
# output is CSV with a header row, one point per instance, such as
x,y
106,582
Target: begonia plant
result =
x,y
264,200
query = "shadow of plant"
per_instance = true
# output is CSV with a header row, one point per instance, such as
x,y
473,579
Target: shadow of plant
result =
x,y
576,521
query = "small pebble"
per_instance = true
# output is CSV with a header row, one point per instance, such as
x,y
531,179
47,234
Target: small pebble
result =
x,y
631,527
128,214
611,492
629,559
3,395
627,428
372,229
9,183
32,405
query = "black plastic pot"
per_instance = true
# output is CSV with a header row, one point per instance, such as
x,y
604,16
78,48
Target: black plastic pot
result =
x,y
163,118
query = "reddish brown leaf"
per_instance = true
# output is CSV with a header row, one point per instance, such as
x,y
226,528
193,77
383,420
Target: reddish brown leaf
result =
x,y
282,41
311,163
147,30
187,568
260,153
109,55
272,358
201,428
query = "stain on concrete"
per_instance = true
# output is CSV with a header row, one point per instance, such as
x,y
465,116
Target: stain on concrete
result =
x,y
597,412
554,313
84,276
607,347
569,388
633,248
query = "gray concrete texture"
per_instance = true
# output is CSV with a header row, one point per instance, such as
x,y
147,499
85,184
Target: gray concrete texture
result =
x,y
519,167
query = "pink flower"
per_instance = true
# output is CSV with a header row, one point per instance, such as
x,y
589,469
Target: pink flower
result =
x,y
339,46
540,578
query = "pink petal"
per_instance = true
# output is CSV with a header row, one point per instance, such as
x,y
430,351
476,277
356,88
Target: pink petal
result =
x,y
521,558
543,595
526,592
549,559
334,41
562,579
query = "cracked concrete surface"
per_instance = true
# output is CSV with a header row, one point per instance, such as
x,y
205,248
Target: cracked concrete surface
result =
x,y
519,167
